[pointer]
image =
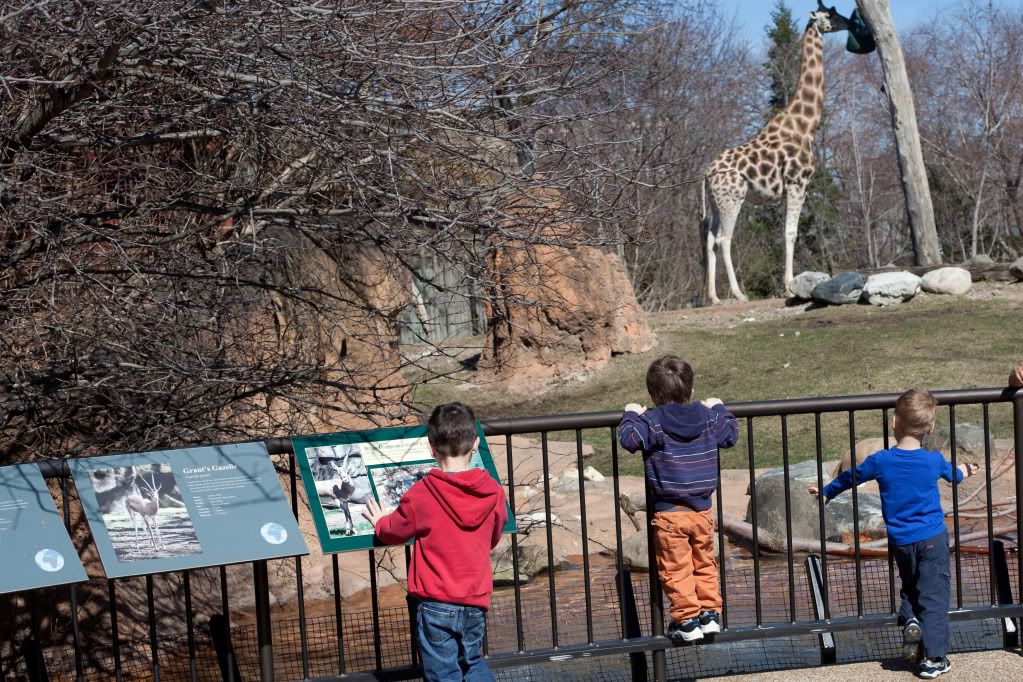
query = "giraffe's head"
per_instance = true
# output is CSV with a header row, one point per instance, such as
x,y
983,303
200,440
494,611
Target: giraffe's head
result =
x,y
827,19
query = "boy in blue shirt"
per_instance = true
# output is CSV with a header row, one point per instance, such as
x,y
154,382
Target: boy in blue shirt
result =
x,y
907,476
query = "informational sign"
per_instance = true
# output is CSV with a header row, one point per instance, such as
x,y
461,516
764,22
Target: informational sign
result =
x,y
342,471
35,549
173,510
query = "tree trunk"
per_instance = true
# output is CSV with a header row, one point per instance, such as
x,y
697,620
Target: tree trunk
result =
x,y
927,250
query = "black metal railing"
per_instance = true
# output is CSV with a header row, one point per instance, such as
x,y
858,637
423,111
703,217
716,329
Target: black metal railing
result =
x,y
590,611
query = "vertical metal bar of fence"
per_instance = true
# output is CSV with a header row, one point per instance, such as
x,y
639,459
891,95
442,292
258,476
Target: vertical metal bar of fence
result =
x,y
299,587
114,635
550,539
190,626
990,502
856,514
585,535
722,569
753,518
891,554
619,561
413,613
1017,425
338,615
154,649
264,632
375,601
230,667
656,596
32,650
519,635
821,518
788,517
955,504
76,633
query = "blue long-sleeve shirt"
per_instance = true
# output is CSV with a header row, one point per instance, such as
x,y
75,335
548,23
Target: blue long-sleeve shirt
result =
x,y
908,481
680,444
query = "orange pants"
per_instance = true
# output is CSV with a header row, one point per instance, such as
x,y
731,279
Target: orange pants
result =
x,y
686,563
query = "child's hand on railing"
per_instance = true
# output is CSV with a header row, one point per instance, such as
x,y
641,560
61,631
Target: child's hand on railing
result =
x,y
969,469
711,402
635,407
816,493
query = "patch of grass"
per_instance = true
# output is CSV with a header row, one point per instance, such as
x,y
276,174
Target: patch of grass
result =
x,y
937,343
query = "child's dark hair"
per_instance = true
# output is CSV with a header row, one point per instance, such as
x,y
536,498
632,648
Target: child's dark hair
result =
x,y
669,380
452,429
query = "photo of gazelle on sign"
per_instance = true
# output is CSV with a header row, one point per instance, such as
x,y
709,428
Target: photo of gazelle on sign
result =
x,y
143,512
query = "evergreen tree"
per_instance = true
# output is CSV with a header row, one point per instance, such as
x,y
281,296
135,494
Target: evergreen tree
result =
x,y
782,56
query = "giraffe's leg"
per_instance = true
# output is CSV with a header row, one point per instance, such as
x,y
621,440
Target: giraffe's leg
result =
x,y
794,197
729,214
712,229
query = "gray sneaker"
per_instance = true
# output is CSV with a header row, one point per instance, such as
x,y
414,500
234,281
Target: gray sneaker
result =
x,y
932,667
911,636
710,623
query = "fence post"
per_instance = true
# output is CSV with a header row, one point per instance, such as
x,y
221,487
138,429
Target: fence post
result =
x,y
264,632
637,661
656,598
220,633
814,576
1010,634
31,650
1017,419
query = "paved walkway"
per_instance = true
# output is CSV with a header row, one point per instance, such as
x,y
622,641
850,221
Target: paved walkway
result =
x,y
980,666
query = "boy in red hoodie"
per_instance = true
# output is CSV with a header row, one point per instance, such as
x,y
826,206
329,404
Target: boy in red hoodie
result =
x,y
455,515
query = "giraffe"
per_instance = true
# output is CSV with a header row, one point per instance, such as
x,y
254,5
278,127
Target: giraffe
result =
x,y
776,164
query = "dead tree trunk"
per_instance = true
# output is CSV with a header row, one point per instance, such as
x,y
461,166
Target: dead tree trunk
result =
x,y
926,248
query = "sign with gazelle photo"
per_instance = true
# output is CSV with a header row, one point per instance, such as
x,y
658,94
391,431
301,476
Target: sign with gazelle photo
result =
x,y
173,510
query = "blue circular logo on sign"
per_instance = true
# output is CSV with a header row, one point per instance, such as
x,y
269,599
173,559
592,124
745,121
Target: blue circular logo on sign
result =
x,y
50,560
273,533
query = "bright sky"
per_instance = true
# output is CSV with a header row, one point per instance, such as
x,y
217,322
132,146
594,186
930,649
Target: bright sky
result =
x,y
753,15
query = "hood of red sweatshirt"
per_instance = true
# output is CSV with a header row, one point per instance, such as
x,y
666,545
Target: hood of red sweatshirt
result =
x,y
468,497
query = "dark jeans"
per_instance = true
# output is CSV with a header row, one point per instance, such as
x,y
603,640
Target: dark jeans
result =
x,y
926,590
451,642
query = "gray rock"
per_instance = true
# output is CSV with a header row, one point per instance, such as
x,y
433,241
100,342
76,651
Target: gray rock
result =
x,y
804,507
567,482
532,562
949,280
802,284
888,288
839,517
632,504
969,440
591,474
840,289
980,259
1016,269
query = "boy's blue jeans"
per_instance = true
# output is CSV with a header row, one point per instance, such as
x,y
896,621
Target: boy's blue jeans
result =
x,y
926,590
451,642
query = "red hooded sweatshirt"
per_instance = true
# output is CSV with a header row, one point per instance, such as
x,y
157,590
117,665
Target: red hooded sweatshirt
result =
x,y
456,520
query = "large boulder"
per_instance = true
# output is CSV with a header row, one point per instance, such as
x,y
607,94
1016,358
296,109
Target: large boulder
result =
x,y
1016,269
635,556
949,280
560,308
846,287
888,288
532,562
980,259
804,508
802,285
969,440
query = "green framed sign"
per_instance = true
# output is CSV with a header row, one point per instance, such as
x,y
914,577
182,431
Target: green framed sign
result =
x,y
341,472
36,549
173,510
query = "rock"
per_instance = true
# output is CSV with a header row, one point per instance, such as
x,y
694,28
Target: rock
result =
x,y
1016,269
969,440
581,306
591,474
804,507
839,518
840,289
888,288
532,562
567,482
949,280
802,285
979,259
632,504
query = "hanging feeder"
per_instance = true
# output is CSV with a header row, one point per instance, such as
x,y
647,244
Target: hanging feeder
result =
x,y
860,40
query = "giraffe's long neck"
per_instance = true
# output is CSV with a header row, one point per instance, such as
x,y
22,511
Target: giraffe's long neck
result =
x,y
803,112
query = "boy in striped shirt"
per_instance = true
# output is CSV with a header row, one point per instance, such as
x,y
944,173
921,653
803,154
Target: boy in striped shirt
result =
x,y
680,442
